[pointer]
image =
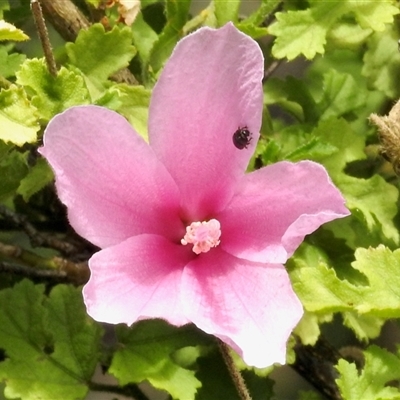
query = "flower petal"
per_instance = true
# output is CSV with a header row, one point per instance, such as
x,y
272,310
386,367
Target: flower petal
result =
x,y
251,307
136,279
210,86
275,207
109,178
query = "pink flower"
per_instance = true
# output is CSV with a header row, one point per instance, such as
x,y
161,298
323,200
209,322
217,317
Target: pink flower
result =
x,y
185,234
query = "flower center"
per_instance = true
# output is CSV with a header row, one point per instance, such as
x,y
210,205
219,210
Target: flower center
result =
x,y
203,235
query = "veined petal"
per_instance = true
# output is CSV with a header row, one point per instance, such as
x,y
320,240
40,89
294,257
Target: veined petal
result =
x,y
275,207
136,279
109,178
249,306
210,86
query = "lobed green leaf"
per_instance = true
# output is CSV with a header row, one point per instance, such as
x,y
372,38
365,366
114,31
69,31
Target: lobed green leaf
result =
x,y
52,95
18,118
98,54
51,346
321,291
10,32
380,368
149,346
36,179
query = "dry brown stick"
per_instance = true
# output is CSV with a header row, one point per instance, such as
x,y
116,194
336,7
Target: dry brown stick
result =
x,y
68,20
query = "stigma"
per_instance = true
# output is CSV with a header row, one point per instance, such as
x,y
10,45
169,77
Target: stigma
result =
x,y
203,235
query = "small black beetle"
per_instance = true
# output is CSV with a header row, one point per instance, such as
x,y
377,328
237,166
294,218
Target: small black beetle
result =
x,y
241,138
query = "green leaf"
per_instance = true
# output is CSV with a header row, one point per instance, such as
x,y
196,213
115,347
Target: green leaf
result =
x,y
380,368
341,95
3,6
18,118
9,63
98,54
144,37
149,346
52,95
308,328
226,11
305,31
37,178
321,291
77,337
133,104
177,15
51,346
373,202
294,96
13,168
339,134
10,32
314,149
309,395
364,326
253,31
382,63
347,36
374,14
260,15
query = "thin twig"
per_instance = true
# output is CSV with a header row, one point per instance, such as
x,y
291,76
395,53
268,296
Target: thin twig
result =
x,y
44,37
271,68
235,374
77,273
36,238
30,272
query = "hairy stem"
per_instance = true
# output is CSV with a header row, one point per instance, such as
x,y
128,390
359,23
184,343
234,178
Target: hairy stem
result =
x,y
44,37
235,374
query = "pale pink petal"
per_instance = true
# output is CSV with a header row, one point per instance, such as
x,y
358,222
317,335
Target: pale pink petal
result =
x,y
210,86
109,178
250,306
136,279
275,207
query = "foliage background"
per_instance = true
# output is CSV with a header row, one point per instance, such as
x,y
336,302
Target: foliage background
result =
x,y
329,65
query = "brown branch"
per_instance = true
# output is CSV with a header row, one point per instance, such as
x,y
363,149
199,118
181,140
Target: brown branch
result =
x,y
30,272
316,364
68,20
271,69
36,238
31,263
